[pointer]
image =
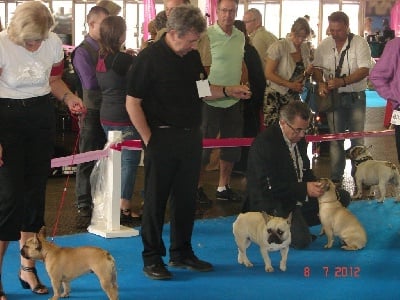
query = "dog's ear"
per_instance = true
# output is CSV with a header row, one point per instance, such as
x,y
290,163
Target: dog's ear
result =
x,y
36,238
289,218
325,183
42,232
266,217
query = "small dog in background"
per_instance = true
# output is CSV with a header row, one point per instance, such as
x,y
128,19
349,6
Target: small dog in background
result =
x,y
337,220
376,174
269,232
64,264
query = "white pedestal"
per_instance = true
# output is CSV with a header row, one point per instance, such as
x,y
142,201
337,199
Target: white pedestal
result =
x,y
123,231
111,227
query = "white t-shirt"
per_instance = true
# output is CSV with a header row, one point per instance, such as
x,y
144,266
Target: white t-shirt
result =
x,y
358,56
26,74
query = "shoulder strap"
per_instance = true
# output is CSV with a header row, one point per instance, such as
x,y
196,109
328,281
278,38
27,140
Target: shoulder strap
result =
x,y
339,66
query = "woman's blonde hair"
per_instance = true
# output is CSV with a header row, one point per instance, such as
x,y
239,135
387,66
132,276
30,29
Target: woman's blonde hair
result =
x,y
301,24
113,8
32,20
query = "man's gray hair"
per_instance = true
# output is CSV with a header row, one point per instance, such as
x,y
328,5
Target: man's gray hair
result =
x,y
295,108
186,18
255,13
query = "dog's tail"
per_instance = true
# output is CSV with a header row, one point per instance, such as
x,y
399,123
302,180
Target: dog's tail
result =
x,y
113,268
396,175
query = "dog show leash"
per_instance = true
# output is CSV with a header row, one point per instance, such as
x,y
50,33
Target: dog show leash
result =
x,y
80,119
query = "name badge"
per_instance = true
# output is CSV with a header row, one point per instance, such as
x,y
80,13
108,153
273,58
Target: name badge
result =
x,y
395,117
203,88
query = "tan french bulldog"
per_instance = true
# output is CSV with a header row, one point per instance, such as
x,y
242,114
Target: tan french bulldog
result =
x,y
337,220
269,232
64,264
373,173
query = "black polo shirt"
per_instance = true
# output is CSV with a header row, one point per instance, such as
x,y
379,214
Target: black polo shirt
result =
x,y
166,83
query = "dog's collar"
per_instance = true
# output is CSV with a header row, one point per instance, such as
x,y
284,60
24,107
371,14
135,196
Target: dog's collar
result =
x,y
362,159
337,197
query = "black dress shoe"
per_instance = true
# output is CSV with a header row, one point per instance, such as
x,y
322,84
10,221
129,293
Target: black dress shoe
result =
x,y
191,263
157,271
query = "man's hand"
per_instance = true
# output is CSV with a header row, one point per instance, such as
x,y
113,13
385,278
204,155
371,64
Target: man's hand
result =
x,y
335,83
238,91
314,189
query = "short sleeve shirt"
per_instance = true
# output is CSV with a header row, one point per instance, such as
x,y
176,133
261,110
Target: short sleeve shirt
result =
x,y
281,51
358,56
166,83
227,53
261,40
26,74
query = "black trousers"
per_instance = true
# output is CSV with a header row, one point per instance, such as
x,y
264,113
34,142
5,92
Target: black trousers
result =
x,y
307,215
27,130
172,162
397,136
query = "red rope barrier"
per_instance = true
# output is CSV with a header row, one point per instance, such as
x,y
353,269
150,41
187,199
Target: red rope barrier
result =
x,y
211,143
347,135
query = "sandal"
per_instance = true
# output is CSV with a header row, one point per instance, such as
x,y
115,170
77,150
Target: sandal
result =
x,y
126,218
126,213
2,294
39,288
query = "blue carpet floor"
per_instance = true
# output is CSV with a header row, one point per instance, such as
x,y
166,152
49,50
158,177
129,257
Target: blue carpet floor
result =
x,y
314,273
374,100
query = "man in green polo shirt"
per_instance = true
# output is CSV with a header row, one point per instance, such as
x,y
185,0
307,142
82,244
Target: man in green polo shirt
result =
x,y
222,52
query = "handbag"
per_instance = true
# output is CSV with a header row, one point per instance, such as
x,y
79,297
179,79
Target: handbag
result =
x,y
324,103
327,103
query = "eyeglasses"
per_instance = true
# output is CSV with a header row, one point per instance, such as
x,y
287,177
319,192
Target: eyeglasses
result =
x,y
227,11
297,130
300,37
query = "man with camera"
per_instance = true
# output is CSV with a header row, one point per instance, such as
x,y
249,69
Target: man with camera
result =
x,y
341,65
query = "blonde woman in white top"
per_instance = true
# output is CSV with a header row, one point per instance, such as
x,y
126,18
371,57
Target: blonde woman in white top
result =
x,y
31,64
287,65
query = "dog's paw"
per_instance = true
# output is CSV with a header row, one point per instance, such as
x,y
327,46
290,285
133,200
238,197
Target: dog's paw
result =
x,y
282,267
248,264
327,246
380,201
269,269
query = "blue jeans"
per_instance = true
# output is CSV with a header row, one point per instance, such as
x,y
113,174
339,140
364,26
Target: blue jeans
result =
x,y
130,159
349,114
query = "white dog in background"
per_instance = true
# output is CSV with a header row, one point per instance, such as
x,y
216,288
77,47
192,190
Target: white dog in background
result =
x,y
376,174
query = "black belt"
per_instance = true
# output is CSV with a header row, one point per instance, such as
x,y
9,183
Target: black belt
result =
x,y
24,102
173,127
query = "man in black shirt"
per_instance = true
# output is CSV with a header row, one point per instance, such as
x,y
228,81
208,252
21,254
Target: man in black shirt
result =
x,y
164,105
